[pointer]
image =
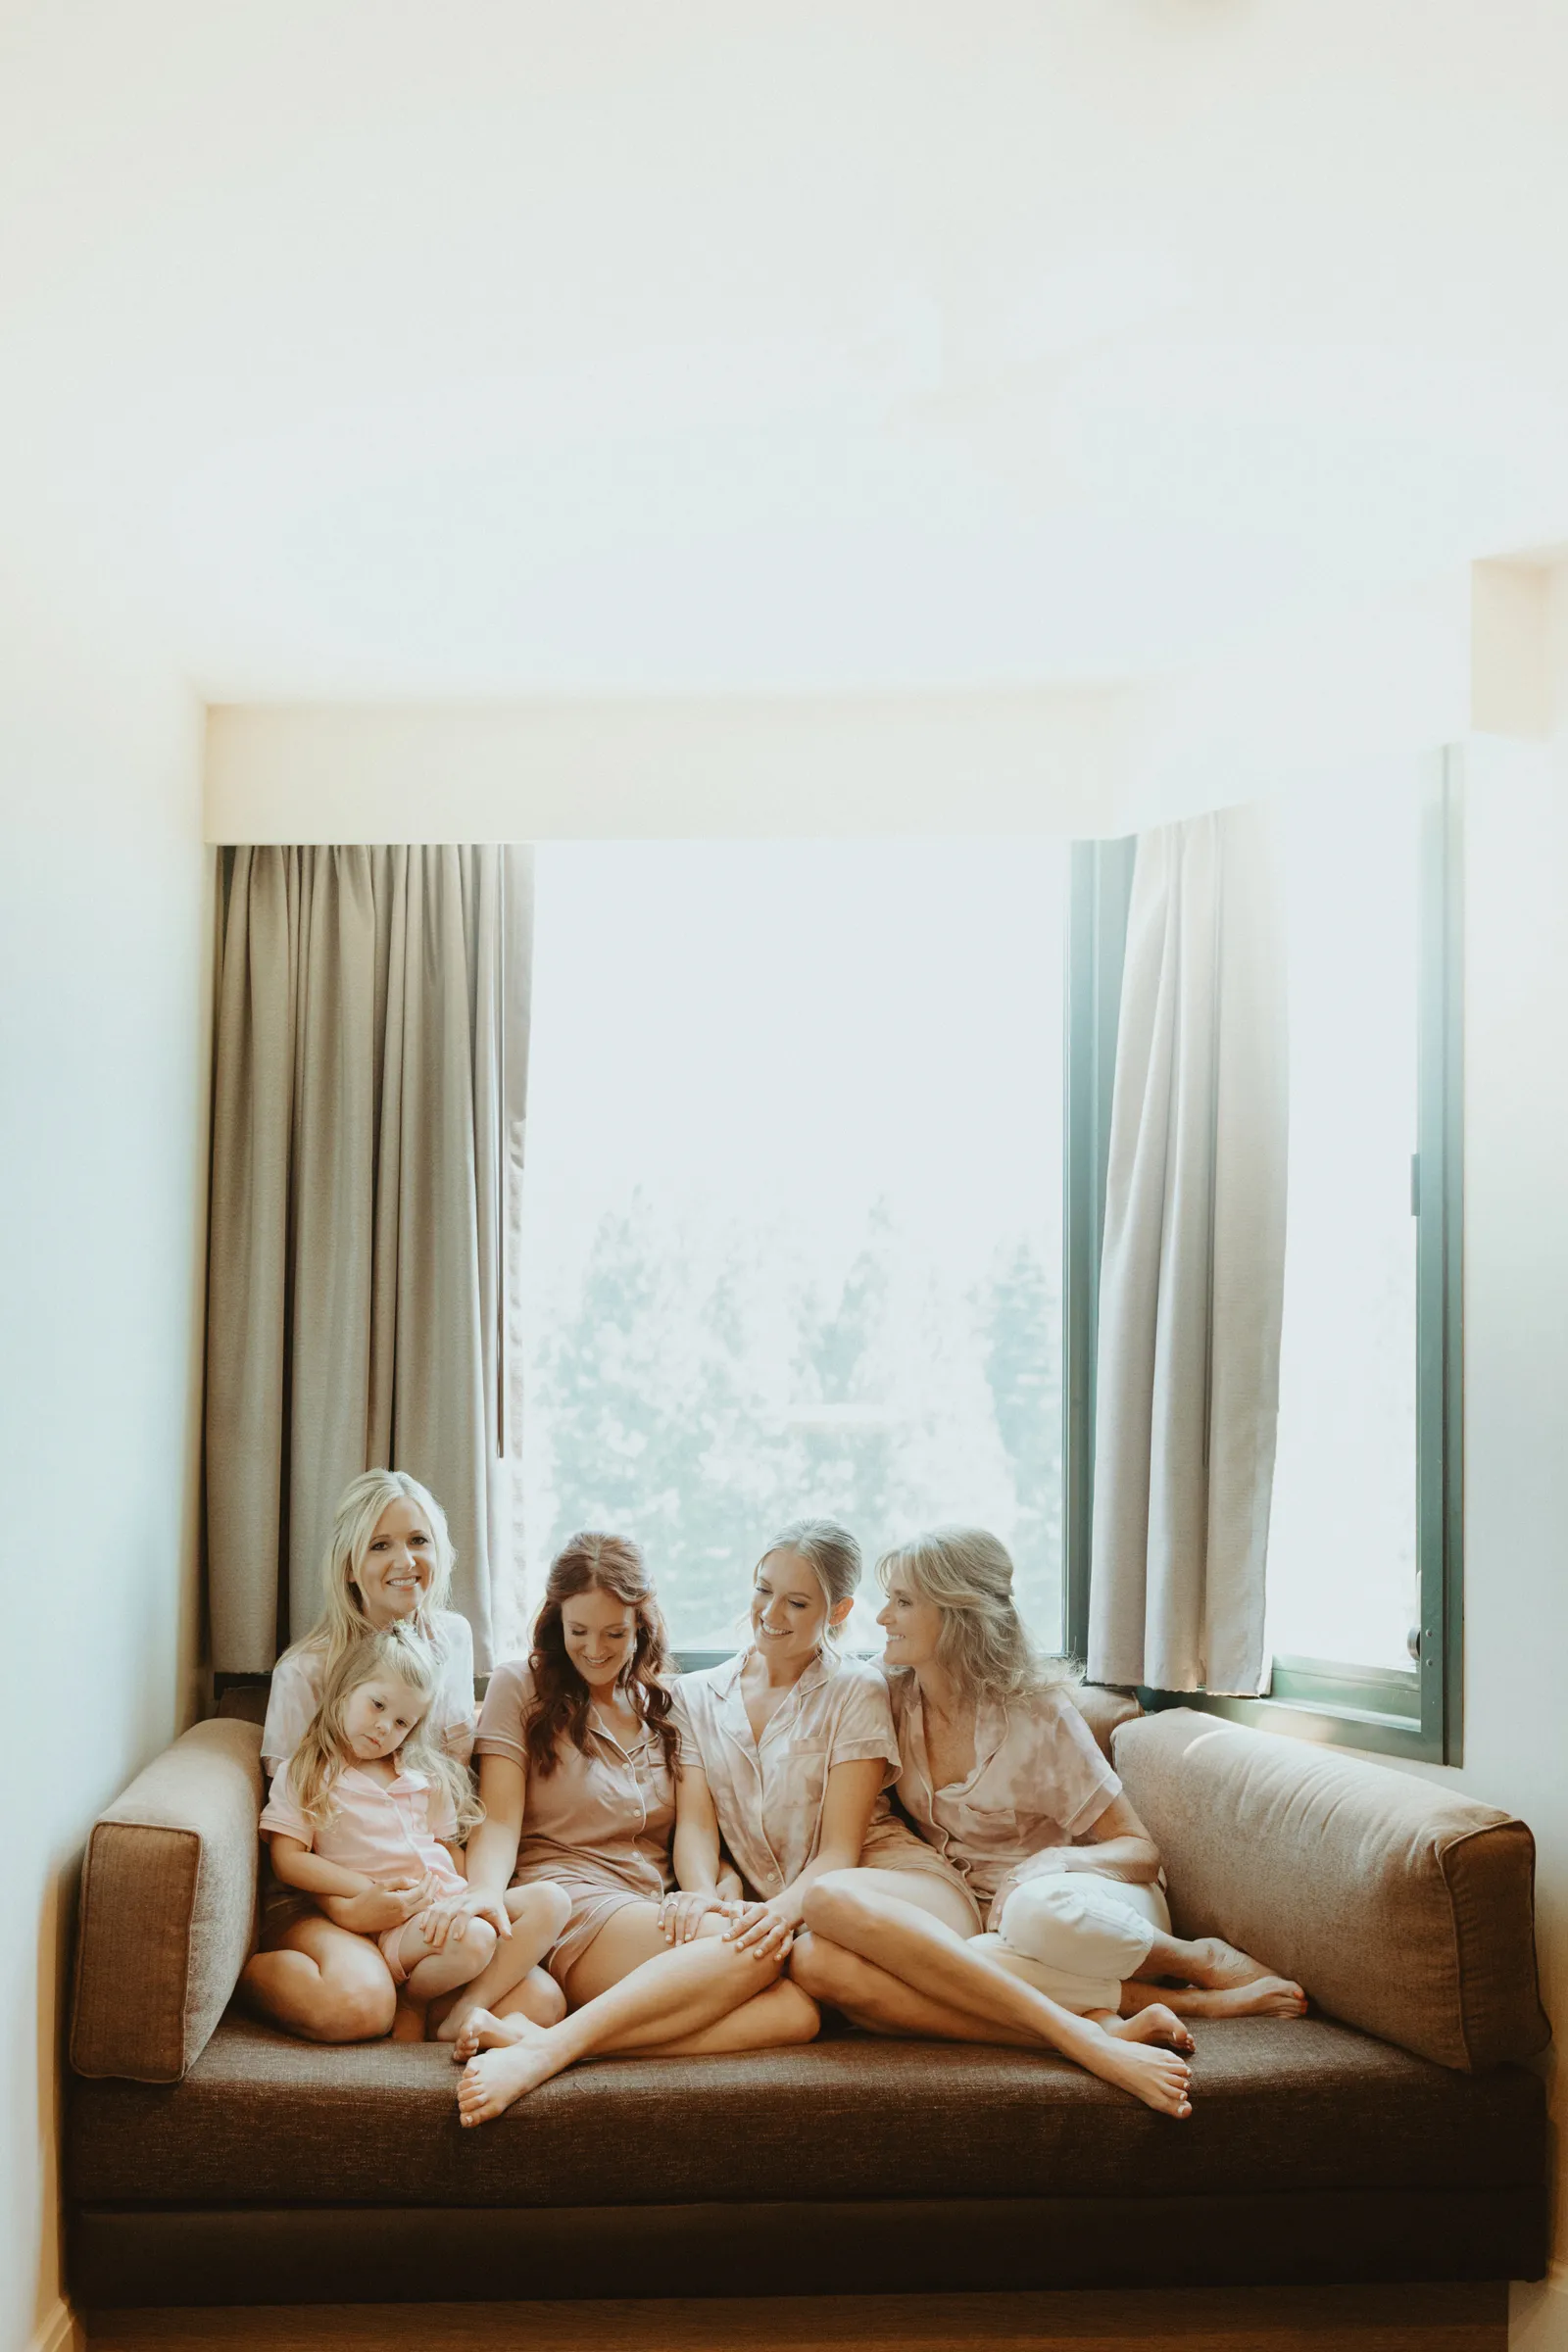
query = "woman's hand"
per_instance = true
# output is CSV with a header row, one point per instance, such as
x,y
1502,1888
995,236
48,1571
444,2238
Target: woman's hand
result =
x,y
683,1911
483,1903
448,1915
764,1930
380,1907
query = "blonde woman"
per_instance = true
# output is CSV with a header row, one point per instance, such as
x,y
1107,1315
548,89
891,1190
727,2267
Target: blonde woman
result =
x,y
788,1749
388,1561
1046,1926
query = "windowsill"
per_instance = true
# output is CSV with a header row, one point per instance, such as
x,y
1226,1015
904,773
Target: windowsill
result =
x,y
1375,1731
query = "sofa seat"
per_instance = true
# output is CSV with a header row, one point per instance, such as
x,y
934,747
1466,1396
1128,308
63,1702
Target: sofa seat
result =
x,y
1278,2105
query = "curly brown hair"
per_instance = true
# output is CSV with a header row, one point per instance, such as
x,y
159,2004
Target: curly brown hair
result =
x,y
588,1562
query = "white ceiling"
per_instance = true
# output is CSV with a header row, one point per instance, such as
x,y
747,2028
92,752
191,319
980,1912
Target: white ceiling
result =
x,y
487,347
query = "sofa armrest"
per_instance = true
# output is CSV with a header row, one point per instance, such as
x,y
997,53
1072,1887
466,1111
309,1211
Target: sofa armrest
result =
x,y
1401,1907
168,1909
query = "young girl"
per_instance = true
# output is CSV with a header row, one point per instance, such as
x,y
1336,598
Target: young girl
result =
x,y
368,1800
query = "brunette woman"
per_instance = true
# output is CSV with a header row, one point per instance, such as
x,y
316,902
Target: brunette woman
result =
x,y
580,1787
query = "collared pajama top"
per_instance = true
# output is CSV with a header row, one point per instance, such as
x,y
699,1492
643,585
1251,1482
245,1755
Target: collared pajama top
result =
x,y
770,1795
296,1692
1039,1780
382,1829
603,1819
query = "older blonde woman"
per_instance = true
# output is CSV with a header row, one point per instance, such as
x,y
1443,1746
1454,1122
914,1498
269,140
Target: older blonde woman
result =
x,y
388,1562
1044,1924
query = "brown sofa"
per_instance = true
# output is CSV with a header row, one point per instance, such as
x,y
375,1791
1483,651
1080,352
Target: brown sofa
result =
x,y
1397,2134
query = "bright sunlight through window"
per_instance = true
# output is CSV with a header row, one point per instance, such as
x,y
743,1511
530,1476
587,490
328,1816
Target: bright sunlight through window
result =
x,y
1342,1562
793,1205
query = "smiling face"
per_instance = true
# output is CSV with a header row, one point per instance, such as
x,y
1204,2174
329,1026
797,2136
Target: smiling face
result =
x,y
790,1612
379,1715
911,1627
600,1632
399,1565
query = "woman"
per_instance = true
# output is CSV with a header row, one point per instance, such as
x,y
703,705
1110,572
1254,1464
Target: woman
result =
x,y
579,1782
388,1562
788,1749
1037,1844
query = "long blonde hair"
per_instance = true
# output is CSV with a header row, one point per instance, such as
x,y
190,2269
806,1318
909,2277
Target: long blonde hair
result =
x,y
343,1623
967,1573
324,1754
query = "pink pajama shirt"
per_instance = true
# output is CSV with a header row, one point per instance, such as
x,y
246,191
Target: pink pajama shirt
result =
x,y
382,1829
769,1794
1039,1782
599,1825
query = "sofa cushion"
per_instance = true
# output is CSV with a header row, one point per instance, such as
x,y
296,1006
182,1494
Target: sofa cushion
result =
x,y
168,1907
1401,1907
1279,2104
1104,1709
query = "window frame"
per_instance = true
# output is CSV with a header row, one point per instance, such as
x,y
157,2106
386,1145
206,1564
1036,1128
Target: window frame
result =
x,y
1419,1713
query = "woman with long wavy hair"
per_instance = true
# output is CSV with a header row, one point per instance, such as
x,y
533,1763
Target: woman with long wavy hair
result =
x,y
1044,1924
581,1786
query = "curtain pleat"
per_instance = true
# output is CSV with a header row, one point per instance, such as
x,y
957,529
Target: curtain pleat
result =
x,y
1193,1266
364,1178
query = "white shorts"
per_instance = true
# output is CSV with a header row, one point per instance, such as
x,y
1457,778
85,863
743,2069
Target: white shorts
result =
x,y
1080,1937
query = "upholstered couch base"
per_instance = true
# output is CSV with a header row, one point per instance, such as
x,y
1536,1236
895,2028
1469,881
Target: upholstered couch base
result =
x,y
354,2254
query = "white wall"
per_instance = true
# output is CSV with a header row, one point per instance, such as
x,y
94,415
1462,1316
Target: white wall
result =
x,y
1516,1356
102,1189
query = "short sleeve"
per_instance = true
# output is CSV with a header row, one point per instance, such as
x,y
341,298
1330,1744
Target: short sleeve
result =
x,y
862,1723
456,1685
439,1812
505,1712
688,1748
281,1816
1080,1782
290,1705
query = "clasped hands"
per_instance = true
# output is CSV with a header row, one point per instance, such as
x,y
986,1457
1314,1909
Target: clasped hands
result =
x,y
764,1929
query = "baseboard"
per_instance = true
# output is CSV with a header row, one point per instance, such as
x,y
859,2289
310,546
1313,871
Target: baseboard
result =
x,y
1537,2312
59,2331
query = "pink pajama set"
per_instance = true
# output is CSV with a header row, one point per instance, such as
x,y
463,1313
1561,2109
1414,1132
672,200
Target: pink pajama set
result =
x,y
382,1829
769,1794
291,1704
598,1825
1039,1780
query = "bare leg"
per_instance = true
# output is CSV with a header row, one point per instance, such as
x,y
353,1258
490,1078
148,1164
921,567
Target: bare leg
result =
x,y
1211,1965
322,1983
778,2018
630,1990
539,1914
1262,1996
892,1919
458,1961
880,2003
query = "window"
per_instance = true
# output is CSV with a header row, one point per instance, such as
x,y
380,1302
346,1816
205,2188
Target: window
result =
x,y
793,1205
1364,1610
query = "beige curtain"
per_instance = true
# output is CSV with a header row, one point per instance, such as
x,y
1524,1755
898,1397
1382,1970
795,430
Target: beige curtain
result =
x,y
369,1095
1193,1266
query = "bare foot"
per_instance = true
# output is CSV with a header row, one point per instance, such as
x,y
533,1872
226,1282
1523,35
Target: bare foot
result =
x,y
1159,2078
1218,1966
482,2030
1259,1996
1153,2023
495,2077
